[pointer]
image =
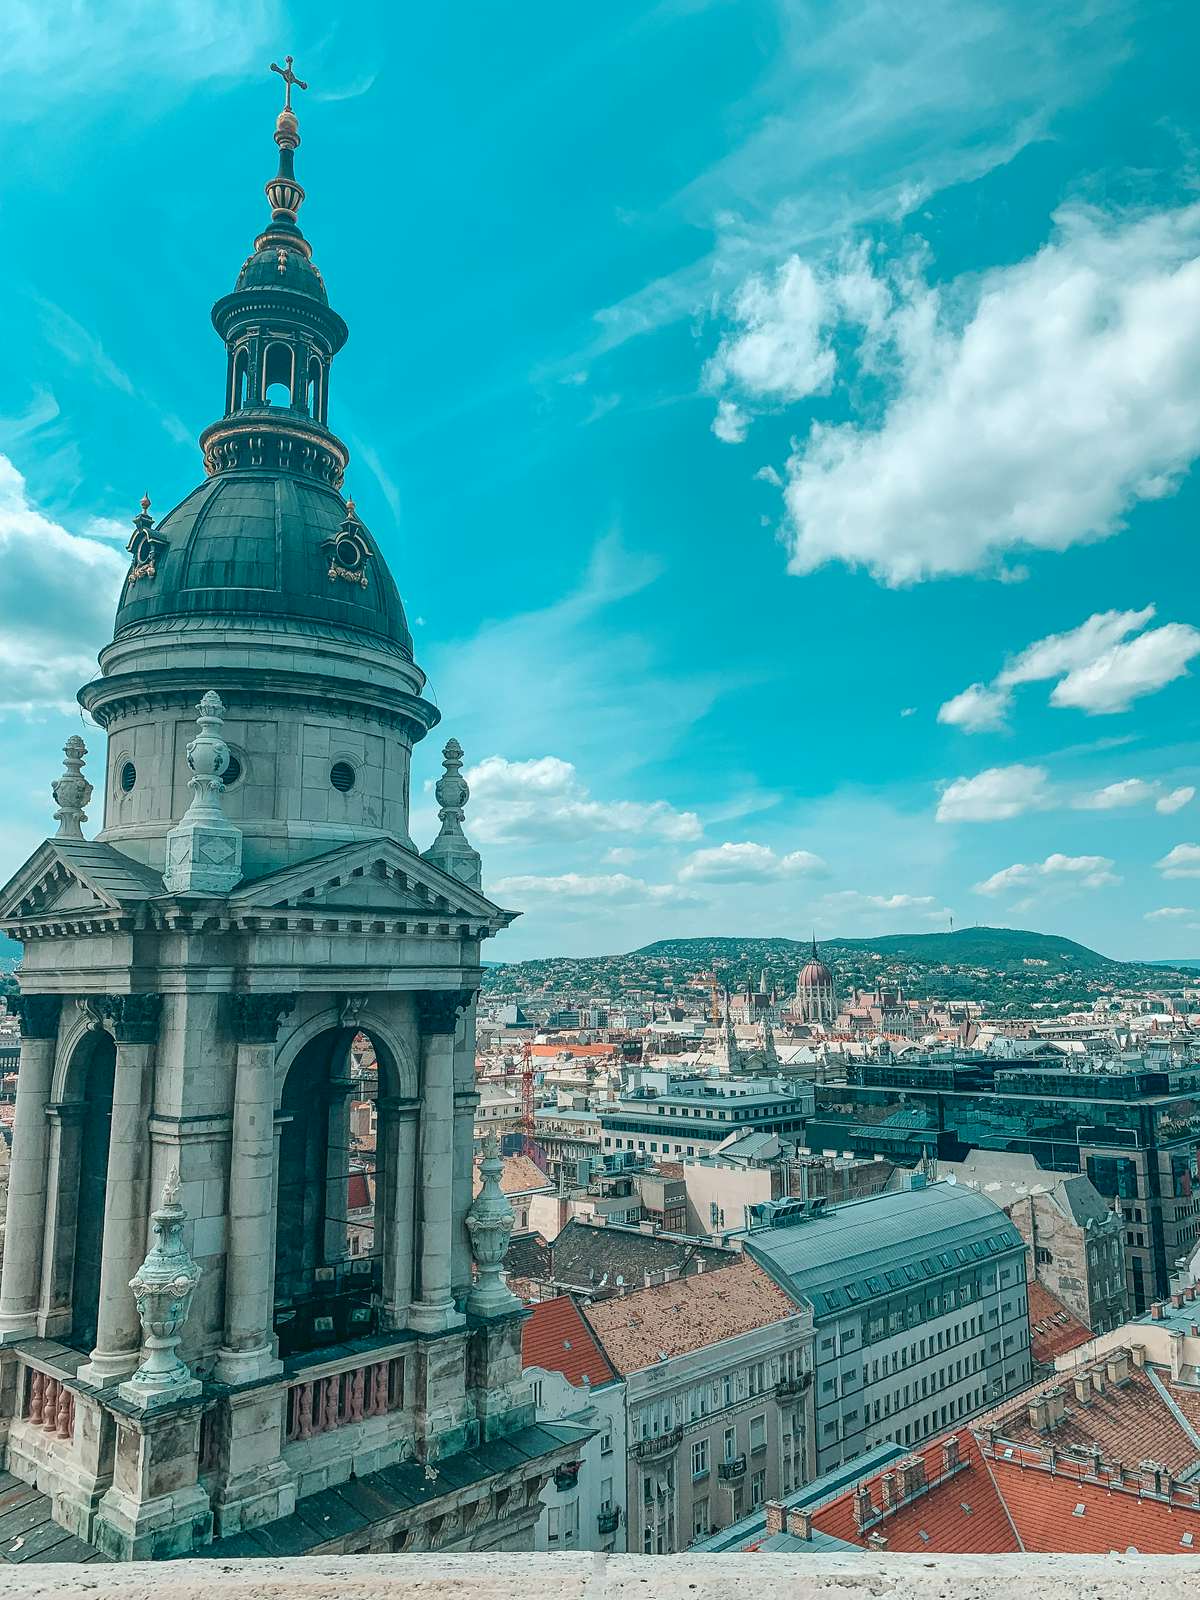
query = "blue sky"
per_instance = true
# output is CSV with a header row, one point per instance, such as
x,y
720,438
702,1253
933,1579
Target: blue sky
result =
x,y
779,418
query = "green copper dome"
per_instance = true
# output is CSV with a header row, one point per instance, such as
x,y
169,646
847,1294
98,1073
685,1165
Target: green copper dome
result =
x,y
282,266
264,545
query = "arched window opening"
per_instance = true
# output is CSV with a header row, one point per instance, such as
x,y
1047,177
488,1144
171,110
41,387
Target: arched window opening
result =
x,y
278,367
328,1250
241,379
92,1131
314,396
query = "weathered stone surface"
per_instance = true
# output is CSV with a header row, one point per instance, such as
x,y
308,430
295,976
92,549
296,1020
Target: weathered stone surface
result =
x,y
598,1577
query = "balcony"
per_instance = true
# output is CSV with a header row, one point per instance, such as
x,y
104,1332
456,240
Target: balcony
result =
x,y
661,1444
731,1471
608,1521
788,1387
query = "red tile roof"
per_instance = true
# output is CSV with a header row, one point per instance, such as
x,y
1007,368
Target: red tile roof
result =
x,y
555,1050
1046,1509
1053,1329
960,1513
557,1338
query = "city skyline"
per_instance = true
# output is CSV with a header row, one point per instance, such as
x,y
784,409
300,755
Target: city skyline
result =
x,y
713,671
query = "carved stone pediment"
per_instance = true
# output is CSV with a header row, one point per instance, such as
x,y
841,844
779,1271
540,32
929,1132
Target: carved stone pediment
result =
x,y
74,879
378,877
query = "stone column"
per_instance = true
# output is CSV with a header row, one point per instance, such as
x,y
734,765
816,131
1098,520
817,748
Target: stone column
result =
x,y
438,1012
249,1348
396,1209
20,1291
62,1216
466,1103
133,1019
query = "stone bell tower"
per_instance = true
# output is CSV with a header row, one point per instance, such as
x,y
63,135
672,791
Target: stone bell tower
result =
x,y
246,1295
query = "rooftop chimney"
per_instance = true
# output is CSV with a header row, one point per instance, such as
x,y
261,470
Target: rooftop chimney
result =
x,y
950,1456
1083,1388
887,1491
876,1541
864,1511
776,1514
1156,1311
1177,1337
1138,1352
1039,1414
1056,1408
1117,1367
1098,1379
799,1524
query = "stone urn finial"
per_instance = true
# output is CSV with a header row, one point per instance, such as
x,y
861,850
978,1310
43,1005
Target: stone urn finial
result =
x,y
204,849
490,1225
163,1288
71,791
451,850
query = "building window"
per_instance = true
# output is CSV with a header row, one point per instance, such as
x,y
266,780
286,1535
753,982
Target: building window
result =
x,y
758,1487
700,1458
606,1500
700,1519
730,1444
537,1393
606,1439
758,1433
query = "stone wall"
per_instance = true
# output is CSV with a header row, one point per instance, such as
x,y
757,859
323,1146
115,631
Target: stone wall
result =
x,y
597,1577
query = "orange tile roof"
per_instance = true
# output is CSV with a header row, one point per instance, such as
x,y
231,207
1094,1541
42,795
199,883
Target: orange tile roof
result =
x,y
1053,1329
961,1513
572,1050
686,1314
520,1175
557,1338
1128,1421
1043,1507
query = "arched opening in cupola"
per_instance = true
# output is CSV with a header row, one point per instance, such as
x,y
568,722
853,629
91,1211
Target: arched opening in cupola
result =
x,y
84,1123
314,396
278,372
329,1250
240,384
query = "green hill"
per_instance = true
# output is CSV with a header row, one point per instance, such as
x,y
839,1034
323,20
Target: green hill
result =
x,y
992,947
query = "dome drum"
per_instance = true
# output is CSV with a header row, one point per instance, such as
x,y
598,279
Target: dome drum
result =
x,y
254,440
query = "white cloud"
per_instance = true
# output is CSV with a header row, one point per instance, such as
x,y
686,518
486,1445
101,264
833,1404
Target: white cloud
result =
x,y
59,611
746,863
731,423
1175,801
1089,872
781,348
1114,796
993,795
767,475
543,797
1076,648
1168,913
1099,668
908,711
100,51
1130,670
1181,862
851,902
1074,374
976,709
618,886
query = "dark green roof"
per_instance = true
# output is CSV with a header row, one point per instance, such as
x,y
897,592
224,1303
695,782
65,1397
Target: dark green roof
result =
x,y
262,271
250,543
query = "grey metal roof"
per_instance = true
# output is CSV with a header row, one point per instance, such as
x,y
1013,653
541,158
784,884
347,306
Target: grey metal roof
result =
x,y
884,1245
107,870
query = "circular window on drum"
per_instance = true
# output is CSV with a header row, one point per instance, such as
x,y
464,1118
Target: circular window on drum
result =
x,y
342,776
127,777
233,772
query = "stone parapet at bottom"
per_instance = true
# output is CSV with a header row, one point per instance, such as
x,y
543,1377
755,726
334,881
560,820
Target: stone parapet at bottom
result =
x,y
599,1577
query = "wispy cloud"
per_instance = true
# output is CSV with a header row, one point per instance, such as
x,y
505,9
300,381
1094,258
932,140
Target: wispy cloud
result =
x,y
80,347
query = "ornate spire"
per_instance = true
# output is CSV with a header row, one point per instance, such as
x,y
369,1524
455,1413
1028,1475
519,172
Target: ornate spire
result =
x,y
284,193
451,850
204,850
490,1225
71,791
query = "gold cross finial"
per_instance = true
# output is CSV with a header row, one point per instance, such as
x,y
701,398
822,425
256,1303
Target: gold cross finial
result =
x,y
289,78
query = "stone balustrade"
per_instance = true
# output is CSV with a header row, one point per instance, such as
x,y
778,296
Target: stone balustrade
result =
x,y
319,1405
587,1576
49,1404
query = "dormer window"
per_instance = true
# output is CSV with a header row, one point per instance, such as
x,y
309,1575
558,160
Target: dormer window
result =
x,y
348,550
145,546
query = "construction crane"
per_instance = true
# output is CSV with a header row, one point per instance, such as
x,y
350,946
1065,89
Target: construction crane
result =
x,y
714,996
527,1120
